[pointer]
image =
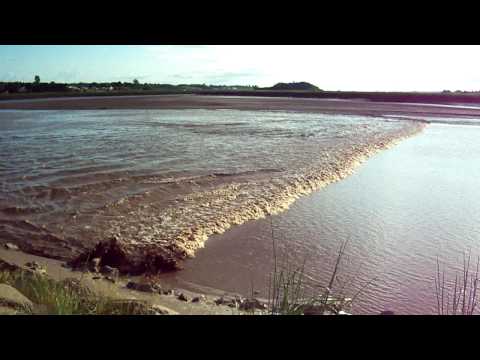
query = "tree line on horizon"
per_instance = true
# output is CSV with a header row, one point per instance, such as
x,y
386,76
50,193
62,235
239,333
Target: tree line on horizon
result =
x,y
38,86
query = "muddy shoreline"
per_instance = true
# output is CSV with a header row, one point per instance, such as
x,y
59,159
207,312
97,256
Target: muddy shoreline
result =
x,y
116,287
259,103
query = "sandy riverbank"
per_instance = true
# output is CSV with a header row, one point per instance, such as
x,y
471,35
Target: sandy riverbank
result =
x,y
167,302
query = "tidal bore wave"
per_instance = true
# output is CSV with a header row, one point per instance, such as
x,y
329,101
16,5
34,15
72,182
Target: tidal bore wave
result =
x,y
143,197
150,241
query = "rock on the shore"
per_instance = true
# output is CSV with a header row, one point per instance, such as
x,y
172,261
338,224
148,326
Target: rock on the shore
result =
x,y
182,297
11,297
108,270
200,298
129,260
10,246
228,301
252,304
141,287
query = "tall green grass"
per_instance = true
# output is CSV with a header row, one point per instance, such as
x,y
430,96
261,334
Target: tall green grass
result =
x,y
461,298
68,297
50,297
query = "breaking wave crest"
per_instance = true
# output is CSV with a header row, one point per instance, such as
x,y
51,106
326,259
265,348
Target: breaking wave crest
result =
x,y
156,184
184,227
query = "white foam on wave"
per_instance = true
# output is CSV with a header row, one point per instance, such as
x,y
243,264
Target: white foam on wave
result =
x,y
185,226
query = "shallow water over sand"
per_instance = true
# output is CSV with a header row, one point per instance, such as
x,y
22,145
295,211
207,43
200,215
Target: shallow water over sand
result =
x,y
399,211
167,178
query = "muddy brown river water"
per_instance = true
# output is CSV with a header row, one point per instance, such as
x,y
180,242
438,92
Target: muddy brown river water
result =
x,y
399,211
173,178
167,178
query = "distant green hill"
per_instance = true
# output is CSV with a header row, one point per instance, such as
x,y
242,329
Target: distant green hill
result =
x,y
304,86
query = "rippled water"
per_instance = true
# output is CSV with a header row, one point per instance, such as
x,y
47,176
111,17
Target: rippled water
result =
x,y
404,207
166,178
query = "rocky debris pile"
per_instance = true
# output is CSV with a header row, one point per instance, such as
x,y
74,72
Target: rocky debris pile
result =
x,y
127,259
15,300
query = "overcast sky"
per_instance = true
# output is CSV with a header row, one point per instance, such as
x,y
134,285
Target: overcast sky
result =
x,y
389,68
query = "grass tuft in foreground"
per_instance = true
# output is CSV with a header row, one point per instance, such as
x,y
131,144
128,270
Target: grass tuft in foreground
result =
x,y
461,297
289,290
68,297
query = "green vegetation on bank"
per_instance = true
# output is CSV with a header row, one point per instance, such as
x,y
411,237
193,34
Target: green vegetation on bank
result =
x,y
67,297
119,87
37,86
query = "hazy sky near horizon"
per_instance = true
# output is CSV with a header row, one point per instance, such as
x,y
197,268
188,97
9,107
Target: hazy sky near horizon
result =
x,y
332,67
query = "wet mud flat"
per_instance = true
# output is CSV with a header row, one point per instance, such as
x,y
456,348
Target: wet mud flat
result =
x,y
143,190
353,106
